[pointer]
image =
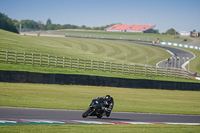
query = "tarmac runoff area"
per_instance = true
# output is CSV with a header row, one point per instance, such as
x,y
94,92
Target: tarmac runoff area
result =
x,y
33,116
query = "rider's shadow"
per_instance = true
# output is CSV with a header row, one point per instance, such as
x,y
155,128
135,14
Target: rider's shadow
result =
x,y
110,119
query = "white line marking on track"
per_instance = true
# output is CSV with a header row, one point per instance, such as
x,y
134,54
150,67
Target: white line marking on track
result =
x,y
92,122
6,121
32,121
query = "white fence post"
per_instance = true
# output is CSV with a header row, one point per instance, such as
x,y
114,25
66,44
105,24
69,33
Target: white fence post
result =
x,y
156,72
6,56
24,58
91,64
110,66
104,66
63,61
48,60
122,68
117,68
16,57
70,60
40,59
56,61
84,64
32,59
98,65
78,63
145,70
129,69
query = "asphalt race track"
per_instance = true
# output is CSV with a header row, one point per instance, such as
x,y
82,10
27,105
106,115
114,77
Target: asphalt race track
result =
x,y
10,114
178,59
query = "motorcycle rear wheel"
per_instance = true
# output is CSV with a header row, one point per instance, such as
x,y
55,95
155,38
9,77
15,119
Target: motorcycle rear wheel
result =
x,y
99,116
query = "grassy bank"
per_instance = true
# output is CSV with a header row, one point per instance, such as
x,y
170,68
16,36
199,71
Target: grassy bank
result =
x,y
101,128
93,49
78,98
104,50
195,63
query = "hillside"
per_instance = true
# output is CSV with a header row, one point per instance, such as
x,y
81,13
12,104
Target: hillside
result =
x,y
92,49
104,50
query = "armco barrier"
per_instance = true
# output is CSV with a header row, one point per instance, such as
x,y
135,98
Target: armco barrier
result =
x,y
67,79
180,45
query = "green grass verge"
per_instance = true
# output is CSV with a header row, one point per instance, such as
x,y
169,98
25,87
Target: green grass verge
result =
x,y
101,128
60,70
78,98
195,63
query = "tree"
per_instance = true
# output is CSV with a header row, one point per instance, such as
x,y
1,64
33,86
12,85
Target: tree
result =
x,y
151,31
41,25
83,27
15,22
48,21
171,31
49,25
7,24
29,25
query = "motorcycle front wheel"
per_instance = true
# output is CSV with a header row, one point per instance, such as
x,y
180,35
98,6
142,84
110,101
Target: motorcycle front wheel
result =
x,y
85,114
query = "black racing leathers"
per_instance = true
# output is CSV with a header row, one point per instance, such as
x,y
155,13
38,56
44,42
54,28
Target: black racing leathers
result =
x,y
106,105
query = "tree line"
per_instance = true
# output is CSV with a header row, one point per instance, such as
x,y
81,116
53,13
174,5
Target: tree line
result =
x,y
7,23
28,25
16,26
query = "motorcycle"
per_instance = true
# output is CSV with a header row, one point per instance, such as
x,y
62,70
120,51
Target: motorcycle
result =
x,y
96,108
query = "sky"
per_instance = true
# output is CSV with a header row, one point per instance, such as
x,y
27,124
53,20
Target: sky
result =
x,y
182,15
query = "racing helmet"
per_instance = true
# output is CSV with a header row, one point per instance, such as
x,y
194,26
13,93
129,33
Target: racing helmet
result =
x,y
107,98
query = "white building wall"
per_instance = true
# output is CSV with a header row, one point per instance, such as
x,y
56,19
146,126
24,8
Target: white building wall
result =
x,y
185,33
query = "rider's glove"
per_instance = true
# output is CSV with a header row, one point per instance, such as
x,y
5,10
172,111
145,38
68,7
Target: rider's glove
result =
x,y
106,109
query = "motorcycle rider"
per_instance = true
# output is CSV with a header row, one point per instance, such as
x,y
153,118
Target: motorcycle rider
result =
x,y
108,104
99,107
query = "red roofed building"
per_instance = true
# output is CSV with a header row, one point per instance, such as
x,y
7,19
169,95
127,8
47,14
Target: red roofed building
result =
x,y
129,28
